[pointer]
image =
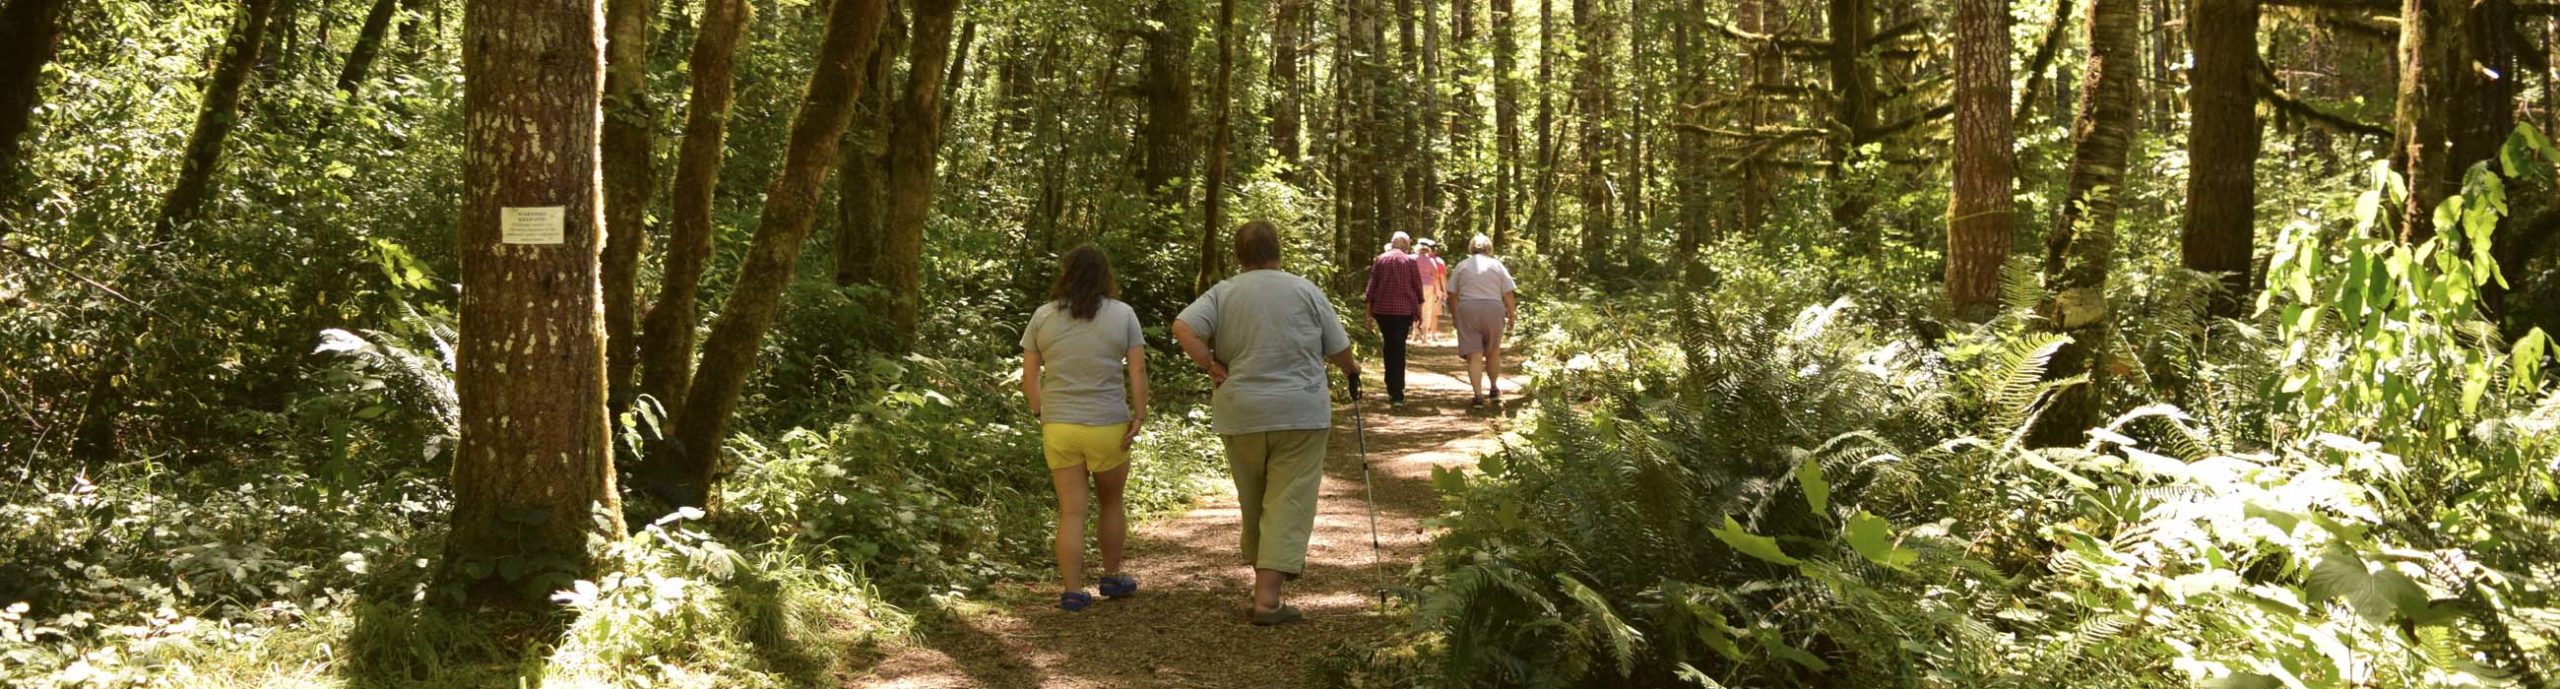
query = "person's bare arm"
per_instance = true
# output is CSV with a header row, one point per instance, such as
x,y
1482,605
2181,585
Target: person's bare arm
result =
x,y
1031,380
1137,395
1510,309
1198,350
1350,365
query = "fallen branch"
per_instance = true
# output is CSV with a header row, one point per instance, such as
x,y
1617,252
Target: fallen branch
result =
x,y
2289,105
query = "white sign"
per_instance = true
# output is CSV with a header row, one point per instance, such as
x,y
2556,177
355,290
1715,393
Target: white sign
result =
x,y
533,225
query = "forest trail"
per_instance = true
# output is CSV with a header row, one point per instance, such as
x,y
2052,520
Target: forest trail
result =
x,y
1186,627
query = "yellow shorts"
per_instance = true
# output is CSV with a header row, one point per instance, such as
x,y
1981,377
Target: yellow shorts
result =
x,y
1096,448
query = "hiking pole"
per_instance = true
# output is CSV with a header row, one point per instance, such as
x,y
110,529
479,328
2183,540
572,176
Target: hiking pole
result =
x,y
1360,426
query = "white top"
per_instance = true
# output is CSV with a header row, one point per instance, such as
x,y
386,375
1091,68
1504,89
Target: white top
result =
x,y
1480,277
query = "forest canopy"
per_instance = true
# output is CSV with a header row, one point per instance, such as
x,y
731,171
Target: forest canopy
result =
x,y
2152,343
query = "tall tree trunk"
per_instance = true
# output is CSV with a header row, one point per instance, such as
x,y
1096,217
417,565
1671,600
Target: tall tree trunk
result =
x,y
1379,140
1542,209
1980,224
666,335
1506,119
1212,194
1168,93
1768,69
2222,147
1286,102
534,461
2040,66
1463,120
219,113
860,178
628,183
2080,251
29,30
790,209
1590,91
1690,179
1424,147
914,140
368,44
1854,114
959,72
2456,98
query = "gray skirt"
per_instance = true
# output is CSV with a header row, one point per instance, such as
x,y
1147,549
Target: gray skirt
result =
x,y
1480,325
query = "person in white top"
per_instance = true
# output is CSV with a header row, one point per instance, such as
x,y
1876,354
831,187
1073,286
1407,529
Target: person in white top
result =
x,y
1487,304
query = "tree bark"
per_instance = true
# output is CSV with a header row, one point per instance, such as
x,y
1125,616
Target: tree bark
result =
x,y
1506,118
628,183
959,72
860,177
1542,208
1768,69
2456,98
1980,224
1461,108
1854,114
215,119
1590,90
533,464
1168,94
1286,102
2040,66
914,140
368,45
1690,178
790,209
666,340
29,30
2079,252
1207,268
2222,148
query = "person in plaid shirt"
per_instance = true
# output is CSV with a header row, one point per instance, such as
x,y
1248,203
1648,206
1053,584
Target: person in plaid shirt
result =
x,y
1395,296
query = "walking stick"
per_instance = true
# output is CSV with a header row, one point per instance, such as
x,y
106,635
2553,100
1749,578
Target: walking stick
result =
x,y
1360,426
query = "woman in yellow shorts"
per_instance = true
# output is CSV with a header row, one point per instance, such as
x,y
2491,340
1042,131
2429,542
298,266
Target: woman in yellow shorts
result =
x,y
1084,369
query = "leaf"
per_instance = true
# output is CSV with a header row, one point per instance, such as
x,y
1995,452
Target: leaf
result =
x,y
1622,638
1872,537
1817,490
1747,543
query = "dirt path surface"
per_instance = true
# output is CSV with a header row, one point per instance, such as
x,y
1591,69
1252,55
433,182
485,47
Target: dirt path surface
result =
x,y
1186,627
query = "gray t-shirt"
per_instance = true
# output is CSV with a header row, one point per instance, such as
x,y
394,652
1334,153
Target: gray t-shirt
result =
x,y
1083,363
1272,330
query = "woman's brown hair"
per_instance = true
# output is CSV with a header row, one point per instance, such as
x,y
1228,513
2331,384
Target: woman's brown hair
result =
x,y
1258,244
1084,279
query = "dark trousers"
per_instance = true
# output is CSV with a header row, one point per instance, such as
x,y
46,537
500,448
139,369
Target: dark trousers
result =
x,y
1395,329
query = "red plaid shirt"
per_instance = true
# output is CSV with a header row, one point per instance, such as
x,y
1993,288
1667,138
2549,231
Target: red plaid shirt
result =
x,y
1395,285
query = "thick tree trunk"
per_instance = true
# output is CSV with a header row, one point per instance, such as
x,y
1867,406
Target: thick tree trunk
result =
x,y
377,22
1168,93
215,119
1980,224
790,209
1590,91
2222,148
1542,209
1506,122
628,183
2080,251
1690,183
29,30
860,178
666,337
1854,114
914,140
1212,194
1286,102
534,462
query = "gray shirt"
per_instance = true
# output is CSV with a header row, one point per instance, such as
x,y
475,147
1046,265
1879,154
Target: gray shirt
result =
x,y
1272,330
1083,363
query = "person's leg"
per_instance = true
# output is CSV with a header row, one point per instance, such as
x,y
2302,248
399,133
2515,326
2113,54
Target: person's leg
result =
x,y
1247,455
1296,466
1475,375
1493,365
1109,486
1070,483
1395,330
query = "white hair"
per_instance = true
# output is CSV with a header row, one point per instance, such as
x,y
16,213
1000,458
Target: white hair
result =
x,y
1401,240
1480,245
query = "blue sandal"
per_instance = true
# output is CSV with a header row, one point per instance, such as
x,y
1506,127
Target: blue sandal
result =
x,y
1119,586
1073,601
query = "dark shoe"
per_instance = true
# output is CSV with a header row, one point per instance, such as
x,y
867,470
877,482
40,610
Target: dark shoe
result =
x,y
1474,401
1119,586
1284,614
1073,601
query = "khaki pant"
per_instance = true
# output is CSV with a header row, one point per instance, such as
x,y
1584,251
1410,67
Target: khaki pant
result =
x,y
1277,474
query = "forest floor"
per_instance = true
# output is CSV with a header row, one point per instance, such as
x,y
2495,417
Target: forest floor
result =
x,y
1186,627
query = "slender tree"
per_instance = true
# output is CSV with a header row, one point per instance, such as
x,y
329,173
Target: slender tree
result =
x,y
2222,147
29,29
1167,89
2080,251
533,465
790,209
1212,194
628,181
1463,116
377,22
666,343
1287,102
1980,226
1854,112
1542,208
914,139
859,206
1591,85
216,117
1506,117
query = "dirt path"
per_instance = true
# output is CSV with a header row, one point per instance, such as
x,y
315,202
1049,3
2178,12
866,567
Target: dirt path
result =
x,y
1186,628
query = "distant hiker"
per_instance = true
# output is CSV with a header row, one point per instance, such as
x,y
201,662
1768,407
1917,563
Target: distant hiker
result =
x,y
1394,298
1487,306
1084,368
1264,336
1435,288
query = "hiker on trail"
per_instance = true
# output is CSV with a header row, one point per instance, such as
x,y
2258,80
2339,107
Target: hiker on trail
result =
x,y
1394,298
1487,306
1435,289
1084,369
1264,336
